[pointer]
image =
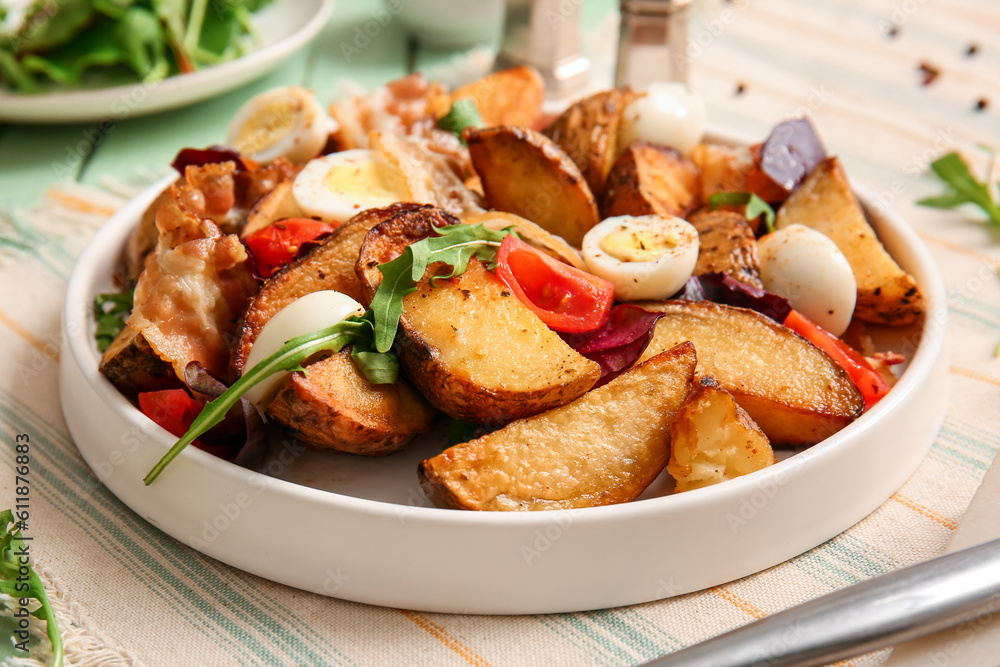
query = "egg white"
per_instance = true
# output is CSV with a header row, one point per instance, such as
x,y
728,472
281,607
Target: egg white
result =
x,y
807,268
666,113
282,122
656,278
338,186
307,314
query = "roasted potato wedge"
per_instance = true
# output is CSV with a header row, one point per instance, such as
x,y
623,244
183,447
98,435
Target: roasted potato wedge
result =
x,y
531,234
335,407
713,439
651,179
582,454
279,204
509,97
471,348
132,365
526,173
726,245
722,169
330,266
588,132
795,392
824,202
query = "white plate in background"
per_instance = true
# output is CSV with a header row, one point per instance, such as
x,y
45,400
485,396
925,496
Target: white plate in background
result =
x,y
358,528
285,27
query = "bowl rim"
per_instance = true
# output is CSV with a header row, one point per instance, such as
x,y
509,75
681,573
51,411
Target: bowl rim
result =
x,y
78,325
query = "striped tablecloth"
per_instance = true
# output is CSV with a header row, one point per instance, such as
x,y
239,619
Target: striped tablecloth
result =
x,y
891,84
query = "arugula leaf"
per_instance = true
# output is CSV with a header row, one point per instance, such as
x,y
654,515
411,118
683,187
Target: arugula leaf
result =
x,y
755,206
46,29
455,245
111,320
290,357
12,582
370,335
963,188
463,114
141,39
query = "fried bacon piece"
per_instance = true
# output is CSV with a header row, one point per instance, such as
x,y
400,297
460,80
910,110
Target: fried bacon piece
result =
x,y
407,107
179,218
428,176
189,298
214,183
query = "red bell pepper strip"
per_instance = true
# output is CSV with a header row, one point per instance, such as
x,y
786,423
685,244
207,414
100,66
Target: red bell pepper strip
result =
x,y
872,386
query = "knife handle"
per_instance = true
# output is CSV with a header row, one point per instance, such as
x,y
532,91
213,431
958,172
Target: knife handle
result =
x,y
883,611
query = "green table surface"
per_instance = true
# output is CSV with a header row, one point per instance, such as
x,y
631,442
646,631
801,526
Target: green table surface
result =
x,y
33,158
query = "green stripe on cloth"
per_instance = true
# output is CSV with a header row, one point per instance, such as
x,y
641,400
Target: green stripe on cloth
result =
x,y
198,569
975,317
107,535
616,621
555,623
155,537
612,650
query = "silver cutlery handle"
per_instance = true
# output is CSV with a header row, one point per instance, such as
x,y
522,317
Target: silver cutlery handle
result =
x,y
886,610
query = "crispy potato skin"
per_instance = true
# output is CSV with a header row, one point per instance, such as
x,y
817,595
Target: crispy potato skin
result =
x,y
582,454
512,96
825,202
330,266
388,239
726,245
588,132
532,234
471,348
791,389
650,179
132,365
722,168
713,439
334,407
526,173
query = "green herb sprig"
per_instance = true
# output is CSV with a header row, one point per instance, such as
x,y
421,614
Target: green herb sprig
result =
x,y
15,584
356,331
111,312
755,206
463,114
963,188
371,335
455,246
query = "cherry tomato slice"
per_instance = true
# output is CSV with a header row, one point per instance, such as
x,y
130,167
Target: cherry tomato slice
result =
x,y
173,409
565,298
872,386
277,244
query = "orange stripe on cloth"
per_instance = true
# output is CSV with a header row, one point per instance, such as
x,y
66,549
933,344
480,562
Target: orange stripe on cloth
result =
x,y
975,375
445,638
924,511
79,204
986,259
739,602
34,341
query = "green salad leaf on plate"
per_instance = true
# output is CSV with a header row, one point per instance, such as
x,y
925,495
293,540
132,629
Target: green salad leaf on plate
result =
x,y
46,45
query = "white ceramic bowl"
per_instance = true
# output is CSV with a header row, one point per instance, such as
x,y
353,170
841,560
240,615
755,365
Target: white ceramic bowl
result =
x,y
375,542
285,27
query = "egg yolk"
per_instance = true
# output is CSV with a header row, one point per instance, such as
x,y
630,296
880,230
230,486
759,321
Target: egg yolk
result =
x,y
267,126
374,178
641,245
